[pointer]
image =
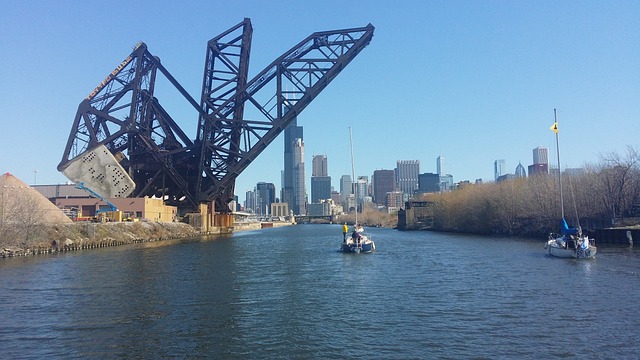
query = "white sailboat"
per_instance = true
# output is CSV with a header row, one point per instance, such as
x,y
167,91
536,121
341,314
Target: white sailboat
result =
x,y
358,241
571,242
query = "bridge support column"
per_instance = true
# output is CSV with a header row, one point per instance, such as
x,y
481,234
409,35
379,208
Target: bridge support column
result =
x,y
223,220
205,218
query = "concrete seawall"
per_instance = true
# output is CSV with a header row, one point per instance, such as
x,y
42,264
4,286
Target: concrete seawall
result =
x,y
626,236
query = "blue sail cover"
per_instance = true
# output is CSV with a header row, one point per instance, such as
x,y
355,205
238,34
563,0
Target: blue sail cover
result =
x,y
566,230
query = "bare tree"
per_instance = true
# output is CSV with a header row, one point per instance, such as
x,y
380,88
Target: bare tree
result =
x,y
619,182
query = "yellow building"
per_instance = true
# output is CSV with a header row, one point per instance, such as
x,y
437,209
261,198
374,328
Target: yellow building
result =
x,y
132,208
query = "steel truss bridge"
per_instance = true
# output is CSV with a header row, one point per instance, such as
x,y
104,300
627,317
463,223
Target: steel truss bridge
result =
x,y
237,117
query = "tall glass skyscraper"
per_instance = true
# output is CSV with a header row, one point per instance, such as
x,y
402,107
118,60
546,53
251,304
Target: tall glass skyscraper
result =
x,y
439,165
320,179
265,196
346,188
293,188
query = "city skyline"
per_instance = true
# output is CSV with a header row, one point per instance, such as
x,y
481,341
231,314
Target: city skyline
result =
x,y
462,87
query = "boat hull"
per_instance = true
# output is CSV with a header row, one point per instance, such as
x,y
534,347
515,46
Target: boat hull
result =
x,y
555,249
365,245
355,249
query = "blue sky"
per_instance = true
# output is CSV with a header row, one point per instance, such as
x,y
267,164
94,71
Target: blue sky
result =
x,y
473,81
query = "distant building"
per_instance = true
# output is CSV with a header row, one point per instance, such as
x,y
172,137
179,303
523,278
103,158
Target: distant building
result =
x,y
346,188
265,196
506,177
446,182
520,171
498,169
320,188
320,209
319,166
299,191
320,179
362,186
538,169
540,164
351,204
394,200
541,156
235,204
293,182
440,165
279,209
407,176
384,181
428,183
250,202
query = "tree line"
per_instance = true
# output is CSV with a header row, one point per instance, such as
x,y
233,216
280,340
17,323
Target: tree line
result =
x,y
606,193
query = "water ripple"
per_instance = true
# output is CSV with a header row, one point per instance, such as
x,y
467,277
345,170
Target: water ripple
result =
x,y
287,293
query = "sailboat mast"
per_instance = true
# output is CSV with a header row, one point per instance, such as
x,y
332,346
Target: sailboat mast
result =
x,y
353,176
555,116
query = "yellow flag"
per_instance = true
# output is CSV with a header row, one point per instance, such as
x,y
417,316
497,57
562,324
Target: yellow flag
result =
x,y
554,127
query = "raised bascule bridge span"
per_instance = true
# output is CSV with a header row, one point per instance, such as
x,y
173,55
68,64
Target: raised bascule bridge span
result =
x,y
124,143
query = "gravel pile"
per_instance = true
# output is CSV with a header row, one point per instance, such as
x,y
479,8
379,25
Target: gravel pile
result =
x,y
19,203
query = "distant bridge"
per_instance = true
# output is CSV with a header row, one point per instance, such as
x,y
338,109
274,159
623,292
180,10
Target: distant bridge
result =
x,y
304,219
147,154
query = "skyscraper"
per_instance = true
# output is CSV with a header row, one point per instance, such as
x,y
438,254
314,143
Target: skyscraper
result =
x,y
299,191
292,171
346,188
439,165
320,188
319,166
384,181
540,161
361,192
250,202
320,179
407,175
520,171
446,182
541,155
265,196
498,169
428,183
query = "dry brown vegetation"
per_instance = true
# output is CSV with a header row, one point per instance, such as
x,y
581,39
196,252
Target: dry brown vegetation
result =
x,y
371,217
531,206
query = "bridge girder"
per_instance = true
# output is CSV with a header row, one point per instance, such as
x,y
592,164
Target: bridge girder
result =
x,y
123,114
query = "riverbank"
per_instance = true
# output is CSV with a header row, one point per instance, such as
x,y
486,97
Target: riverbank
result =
x,y
80,236
77,236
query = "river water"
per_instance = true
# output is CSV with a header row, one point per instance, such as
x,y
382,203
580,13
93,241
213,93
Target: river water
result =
x,y
287,293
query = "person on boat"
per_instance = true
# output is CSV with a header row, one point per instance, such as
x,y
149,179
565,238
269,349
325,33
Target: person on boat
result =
x,y
345,230
355,236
